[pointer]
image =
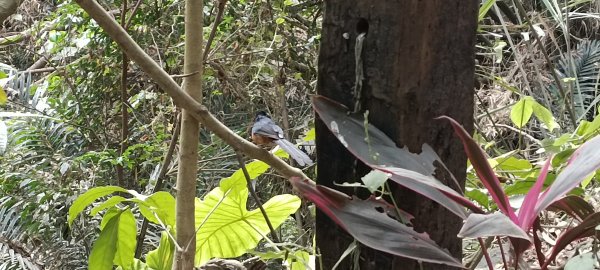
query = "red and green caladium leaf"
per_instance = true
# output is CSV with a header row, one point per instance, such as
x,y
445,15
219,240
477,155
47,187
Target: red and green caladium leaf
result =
x,y
378,151
368,222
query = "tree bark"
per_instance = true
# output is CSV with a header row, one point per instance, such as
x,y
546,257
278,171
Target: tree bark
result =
x,y
418,63
7,8
190,128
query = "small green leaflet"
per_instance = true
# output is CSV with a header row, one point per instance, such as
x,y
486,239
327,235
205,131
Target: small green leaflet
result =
x,y
116,243
375,179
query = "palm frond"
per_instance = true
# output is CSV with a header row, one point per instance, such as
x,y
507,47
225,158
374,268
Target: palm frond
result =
x,y
13,251
581,69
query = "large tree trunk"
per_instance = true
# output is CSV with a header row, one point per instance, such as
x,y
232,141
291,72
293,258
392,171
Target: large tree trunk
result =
x,y
418,61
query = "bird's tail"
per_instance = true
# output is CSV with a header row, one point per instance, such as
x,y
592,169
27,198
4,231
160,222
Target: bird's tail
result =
x,y
300,157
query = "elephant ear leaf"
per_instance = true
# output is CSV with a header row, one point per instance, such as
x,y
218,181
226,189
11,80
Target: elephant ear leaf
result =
x,y
228,230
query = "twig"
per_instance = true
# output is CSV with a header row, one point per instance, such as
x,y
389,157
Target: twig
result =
x,y
218,18
184,75
502,252
480,253
240,159
124,114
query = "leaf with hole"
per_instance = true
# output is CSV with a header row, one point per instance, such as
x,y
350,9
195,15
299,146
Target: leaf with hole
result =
x,y
369,222
378,151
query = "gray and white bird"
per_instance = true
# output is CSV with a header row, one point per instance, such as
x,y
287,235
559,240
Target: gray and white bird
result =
x,y
265,131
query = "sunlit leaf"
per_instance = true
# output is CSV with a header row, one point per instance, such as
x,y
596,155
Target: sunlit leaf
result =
x,y
162,257
544,115
521,112
126,239
112,201
163,204
228,230
105,247
3,96
485,7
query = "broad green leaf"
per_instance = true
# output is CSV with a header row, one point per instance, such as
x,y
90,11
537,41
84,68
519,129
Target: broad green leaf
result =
x,y
89,197
231,230
279,20
479,196
589,128
105,247
375,179
126,239
147,212
511,164
112,201
163,204
110,213
237,181
162,257
521,112
544,115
